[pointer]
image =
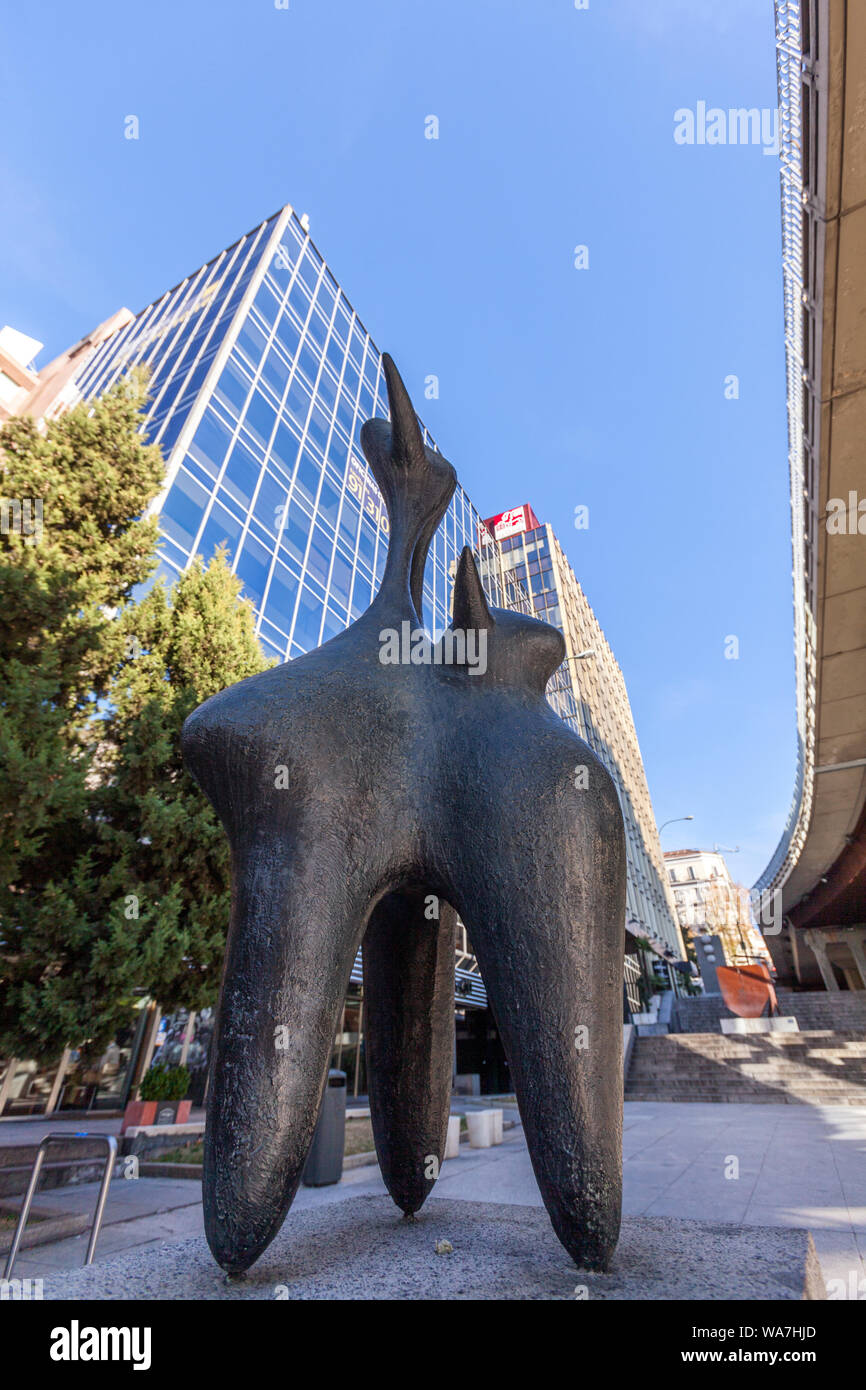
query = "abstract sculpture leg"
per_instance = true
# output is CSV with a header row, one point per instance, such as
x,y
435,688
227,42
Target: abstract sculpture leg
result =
x,y
352,788
409,1031
285,981
553,974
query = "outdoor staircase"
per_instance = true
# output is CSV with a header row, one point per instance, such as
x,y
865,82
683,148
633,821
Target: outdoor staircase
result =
x,y
822,1067
843,1012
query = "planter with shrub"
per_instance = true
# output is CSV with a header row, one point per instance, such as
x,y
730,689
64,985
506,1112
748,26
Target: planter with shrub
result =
x,y
162,1092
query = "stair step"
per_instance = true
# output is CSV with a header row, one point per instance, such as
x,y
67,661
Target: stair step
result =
x,y
818,1067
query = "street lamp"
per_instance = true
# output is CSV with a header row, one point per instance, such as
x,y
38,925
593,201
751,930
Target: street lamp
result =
x,y
673,820
565,681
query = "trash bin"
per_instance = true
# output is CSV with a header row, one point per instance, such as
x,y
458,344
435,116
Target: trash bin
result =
x,y
325,1160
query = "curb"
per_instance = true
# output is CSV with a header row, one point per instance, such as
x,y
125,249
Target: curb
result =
x,y
44,1232
193,1170
170,1170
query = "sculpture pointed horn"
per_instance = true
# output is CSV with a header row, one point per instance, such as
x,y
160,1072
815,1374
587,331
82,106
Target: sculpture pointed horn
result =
x,y
471,610
407,443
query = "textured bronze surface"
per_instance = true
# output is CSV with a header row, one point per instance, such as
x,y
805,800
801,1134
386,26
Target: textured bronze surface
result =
x,y
355,793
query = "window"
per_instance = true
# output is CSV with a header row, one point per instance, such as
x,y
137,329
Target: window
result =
x,y
251,342
298,400
319,557
284,449
327,391
317,329
173,553
362,594
280,605
349,523
233,387
275,371
346,415
329,501
241,475
335,354
308,621
338,451
295,532
335,623
267,304
260,417
327,294
252,568
317,427
341,579
351,378
221,529
270,503
307,480
182,512
289,333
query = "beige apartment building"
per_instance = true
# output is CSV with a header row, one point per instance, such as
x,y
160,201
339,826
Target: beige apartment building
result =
x,y
589,692
44,393
709,903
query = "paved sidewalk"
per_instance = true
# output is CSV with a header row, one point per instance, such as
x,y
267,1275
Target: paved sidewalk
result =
x,y
797,1166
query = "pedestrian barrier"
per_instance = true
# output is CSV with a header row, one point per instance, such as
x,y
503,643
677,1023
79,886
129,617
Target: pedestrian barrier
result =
x,y
111,1147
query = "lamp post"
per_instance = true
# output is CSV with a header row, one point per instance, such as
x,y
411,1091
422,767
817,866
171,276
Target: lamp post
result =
x,y
673,820
744,947
559,676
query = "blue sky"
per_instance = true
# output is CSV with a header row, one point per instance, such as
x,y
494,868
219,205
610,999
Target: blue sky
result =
x,y
601,387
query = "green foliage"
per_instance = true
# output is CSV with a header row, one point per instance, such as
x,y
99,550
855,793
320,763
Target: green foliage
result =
x,y
161,842
114,872
164,1083
645,992
59,642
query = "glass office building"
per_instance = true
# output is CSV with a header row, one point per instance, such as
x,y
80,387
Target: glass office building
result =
x,y
262,374
261,377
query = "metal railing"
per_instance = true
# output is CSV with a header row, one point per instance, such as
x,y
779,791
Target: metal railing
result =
x,y
111,1146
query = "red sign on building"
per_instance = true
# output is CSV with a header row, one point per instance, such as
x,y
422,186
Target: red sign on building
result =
x,y
510,523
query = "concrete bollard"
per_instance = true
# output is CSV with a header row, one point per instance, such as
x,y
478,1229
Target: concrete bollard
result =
x,y
452,1143
480,1124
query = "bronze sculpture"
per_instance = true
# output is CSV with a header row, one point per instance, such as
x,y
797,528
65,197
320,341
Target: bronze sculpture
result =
x,y
354,788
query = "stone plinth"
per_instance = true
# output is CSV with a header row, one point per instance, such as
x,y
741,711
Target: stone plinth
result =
x,y
361,1248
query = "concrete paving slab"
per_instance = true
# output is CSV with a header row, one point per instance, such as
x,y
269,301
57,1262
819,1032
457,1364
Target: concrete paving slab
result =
x,y
127,1198
703,1208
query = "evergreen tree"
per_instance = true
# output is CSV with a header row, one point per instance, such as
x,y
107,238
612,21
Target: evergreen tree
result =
x,y
114,871
92,475
165,886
